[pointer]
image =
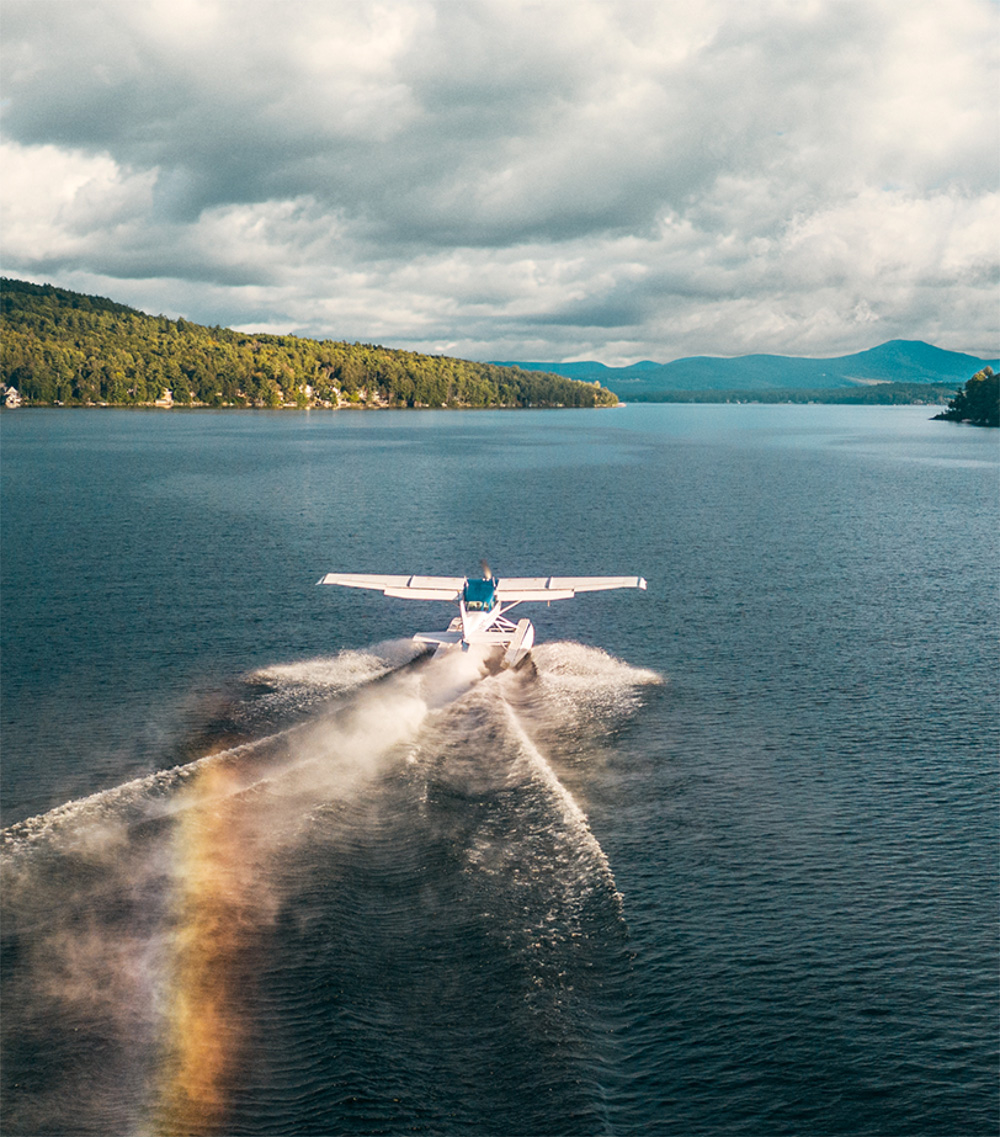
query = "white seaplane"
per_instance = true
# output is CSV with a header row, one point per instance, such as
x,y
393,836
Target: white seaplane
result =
x,y
483,603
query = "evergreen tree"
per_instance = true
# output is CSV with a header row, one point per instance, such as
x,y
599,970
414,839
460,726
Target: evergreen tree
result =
x,y
978,403
62,347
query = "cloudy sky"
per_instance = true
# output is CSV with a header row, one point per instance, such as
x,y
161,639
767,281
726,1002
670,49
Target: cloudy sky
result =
x,y
515,179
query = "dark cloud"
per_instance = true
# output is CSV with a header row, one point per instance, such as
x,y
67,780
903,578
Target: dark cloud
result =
x,y
633,179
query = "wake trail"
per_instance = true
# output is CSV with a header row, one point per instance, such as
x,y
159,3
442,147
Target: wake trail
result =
x,y
403,855
573,816
104,817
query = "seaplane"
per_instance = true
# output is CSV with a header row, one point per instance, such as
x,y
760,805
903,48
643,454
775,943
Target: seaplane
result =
x,y
483,604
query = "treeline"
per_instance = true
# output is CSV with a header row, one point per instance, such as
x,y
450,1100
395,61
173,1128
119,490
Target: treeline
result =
x,y
65,348
882,394
978,402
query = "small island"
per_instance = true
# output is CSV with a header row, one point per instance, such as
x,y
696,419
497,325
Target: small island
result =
x,y
978,403
67,349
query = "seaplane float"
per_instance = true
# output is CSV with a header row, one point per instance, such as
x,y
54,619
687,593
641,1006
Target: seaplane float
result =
x,y
483,604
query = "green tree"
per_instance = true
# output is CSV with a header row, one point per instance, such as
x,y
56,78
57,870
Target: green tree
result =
x,y
61,346
978,403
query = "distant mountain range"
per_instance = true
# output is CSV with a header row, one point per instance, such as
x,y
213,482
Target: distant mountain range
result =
x,y
898,361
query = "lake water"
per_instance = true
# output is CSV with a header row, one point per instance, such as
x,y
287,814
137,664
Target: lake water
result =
x,y
723,861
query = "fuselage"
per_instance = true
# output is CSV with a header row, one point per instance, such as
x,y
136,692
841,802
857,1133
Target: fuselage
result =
x,y
478,606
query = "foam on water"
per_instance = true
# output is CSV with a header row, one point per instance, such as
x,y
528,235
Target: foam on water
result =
x,y
584,684
572,817
578,665
104,816
425,781
338,673
298,685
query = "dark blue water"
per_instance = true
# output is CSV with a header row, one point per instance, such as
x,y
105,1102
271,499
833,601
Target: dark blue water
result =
x,y
723,860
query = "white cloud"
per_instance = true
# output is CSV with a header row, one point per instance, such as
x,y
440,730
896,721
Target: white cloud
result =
x,y
517,178
53,198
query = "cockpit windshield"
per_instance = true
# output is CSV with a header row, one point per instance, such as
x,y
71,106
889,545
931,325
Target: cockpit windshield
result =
x,y
480,595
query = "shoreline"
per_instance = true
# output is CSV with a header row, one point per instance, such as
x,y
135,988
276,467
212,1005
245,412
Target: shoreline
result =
x,y
179,407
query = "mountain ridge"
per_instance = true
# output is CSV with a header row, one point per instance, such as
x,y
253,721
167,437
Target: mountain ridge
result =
x,y
895,361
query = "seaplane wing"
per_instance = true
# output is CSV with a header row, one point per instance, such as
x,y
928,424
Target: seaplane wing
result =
x,y
406,587
511,589
483,604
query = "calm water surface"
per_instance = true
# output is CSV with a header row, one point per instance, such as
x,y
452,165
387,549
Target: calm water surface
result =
x,y
724,861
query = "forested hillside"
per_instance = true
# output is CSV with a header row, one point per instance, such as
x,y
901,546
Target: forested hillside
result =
x,y
65,348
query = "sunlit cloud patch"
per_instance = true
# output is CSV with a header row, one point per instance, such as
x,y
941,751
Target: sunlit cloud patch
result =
x,y
510,180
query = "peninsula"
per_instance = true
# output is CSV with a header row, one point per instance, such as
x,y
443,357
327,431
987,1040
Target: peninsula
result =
x,y
64,348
